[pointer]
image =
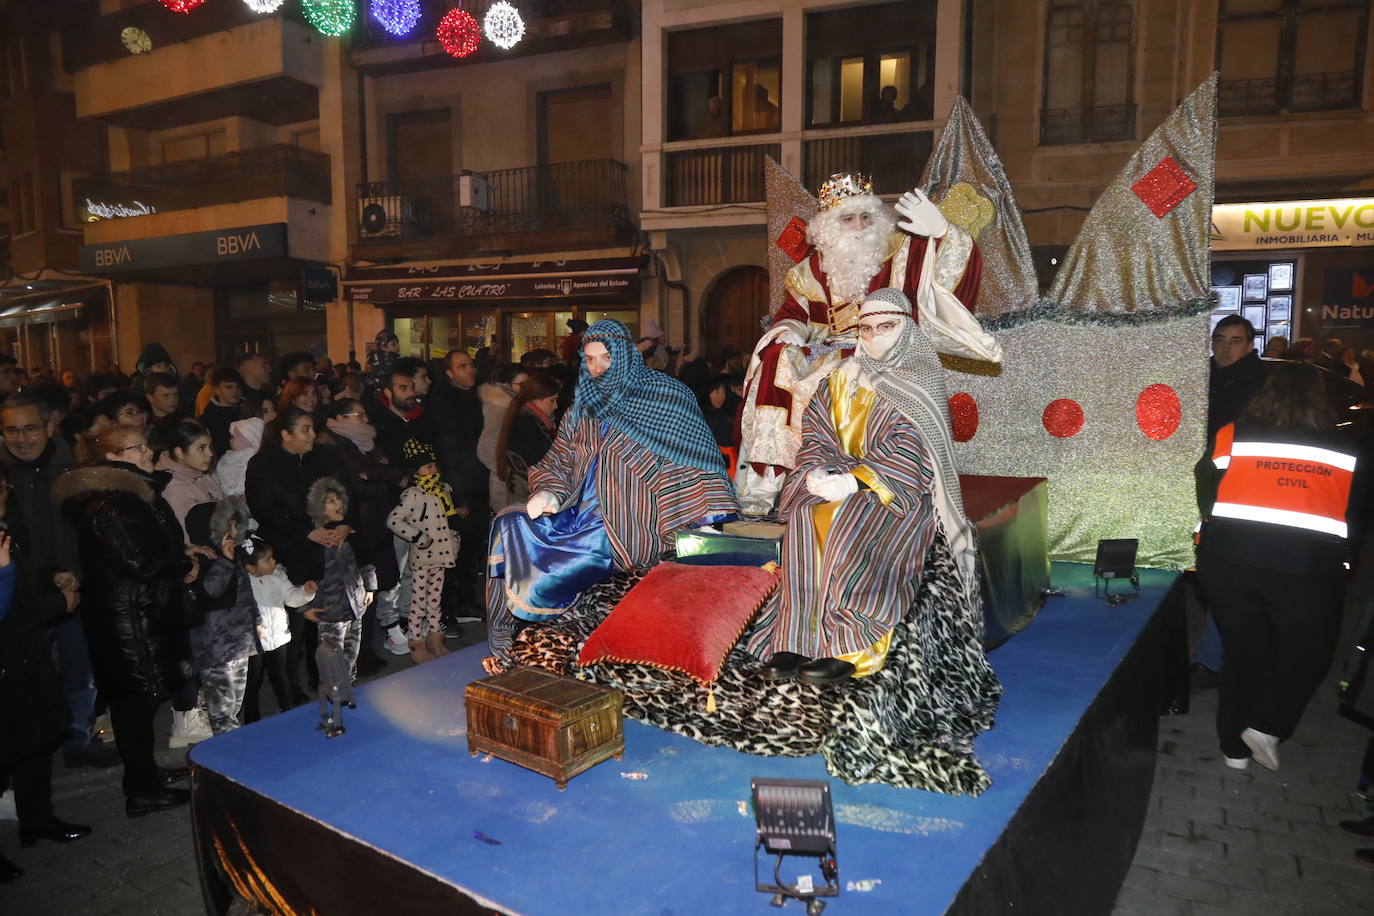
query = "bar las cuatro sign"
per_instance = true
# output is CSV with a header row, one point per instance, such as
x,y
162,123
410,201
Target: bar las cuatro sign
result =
x,y
1293,224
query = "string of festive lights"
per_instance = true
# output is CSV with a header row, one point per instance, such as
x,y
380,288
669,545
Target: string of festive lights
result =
x,y
329,17
182,6
503,25
264,6
458,32
396,16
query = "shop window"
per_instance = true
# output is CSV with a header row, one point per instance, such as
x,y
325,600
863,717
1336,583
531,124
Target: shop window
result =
x,y
1278,56
1089,69
1262,292
857,74
725,81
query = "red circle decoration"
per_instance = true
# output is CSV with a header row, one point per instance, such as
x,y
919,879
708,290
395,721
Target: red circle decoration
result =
x,y
1062,418
1158,412
182,6
458,32
963,416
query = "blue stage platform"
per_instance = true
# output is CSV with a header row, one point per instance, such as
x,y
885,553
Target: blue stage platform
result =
x,y
396,814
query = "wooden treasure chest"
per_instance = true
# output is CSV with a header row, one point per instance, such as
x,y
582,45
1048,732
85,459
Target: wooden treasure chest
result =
x,y
550,724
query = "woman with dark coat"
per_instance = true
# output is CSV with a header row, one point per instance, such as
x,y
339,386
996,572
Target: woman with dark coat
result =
x,y
132,608
278,478
33,712
527,431
377,485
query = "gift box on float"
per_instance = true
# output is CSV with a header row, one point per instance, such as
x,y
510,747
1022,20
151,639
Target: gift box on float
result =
x,y
708,548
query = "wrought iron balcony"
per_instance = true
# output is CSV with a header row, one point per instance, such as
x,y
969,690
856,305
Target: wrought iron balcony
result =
x,y
1273,95
253,174
566,195
720,175
895,160
1087,125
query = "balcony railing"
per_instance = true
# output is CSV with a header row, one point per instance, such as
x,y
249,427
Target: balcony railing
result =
x,y
724,175
253,174
1311,92
895,161
1087,125
566,195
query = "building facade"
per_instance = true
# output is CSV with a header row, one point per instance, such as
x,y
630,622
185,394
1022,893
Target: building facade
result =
x,y
1066,89
51,314
490,196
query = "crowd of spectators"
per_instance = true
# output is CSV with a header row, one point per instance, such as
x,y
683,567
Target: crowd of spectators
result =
x,y
190,538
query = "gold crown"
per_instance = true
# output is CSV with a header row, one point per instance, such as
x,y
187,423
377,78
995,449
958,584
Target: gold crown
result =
x,y
842,185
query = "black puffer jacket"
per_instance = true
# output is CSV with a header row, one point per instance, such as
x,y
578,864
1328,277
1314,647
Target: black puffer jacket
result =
x,y
275,486
132,599
33,709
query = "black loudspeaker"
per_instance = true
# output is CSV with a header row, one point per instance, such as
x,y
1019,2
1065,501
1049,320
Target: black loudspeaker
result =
x,y
1115,560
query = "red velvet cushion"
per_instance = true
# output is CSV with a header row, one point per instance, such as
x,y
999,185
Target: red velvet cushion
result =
x,y
681,618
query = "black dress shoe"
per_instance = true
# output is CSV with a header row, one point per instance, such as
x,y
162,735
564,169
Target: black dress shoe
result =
x,y
783,666
161,800
1359,828
57,831
168,775
9,871
825,671
94,754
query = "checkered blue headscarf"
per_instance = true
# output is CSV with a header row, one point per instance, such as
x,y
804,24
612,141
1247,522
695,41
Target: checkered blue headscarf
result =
x,y
653,409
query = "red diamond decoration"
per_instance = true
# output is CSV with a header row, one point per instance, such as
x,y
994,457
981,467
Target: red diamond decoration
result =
x,y
1164,187
792,240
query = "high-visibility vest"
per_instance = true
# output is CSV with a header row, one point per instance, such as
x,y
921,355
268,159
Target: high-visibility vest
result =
x,y
1282,483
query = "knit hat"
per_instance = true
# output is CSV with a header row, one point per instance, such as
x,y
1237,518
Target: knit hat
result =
x,y
153,354
576,325
417,454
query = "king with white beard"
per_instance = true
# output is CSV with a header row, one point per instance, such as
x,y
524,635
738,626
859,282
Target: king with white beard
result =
x,y
857,246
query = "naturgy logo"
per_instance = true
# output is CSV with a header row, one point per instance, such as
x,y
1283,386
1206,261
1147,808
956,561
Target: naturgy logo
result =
x,y
1360,288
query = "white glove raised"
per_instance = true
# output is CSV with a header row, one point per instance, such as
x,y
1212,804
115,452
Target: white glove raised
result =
x,y
791,336
541,503
922,216
831,487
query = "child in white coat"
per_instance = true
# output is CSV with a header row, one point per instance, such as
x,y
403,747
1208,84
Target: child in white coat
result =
x,y
425,518
274,593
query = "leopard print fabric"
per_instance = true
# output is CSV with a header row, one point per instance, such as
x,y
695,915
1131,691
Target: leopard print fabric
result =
x,y
912,724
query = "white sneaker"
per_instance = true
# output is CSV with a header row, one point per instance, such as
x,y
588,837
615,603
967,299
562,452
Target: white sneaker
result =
x,y
1238,763
189,727
1264,747
104,731
7,812
396,642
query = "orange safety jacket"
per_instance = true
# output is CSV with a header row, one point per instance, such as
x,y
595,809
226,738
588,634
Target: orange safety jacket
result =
x,y
1302,486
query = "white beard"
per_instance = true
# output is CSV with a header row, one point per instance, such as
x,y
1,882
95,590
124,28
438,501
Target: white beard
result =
x,y
851,258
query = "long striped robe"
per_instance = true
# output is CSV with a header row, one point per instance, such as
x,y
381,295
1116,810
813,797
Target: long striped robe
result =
x,y
645,499
847,583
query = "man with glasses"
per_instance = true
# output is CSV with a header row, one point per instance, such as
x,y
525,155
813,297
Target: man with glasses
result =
x,y
33,458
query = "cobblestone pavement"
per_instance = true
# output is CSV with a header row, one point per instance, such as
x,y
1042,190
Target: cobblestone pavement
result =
x,y
1216,841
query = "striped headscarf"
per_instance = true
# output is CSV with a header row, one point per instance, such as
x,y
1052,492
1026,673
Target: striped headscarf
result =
x,y
652,408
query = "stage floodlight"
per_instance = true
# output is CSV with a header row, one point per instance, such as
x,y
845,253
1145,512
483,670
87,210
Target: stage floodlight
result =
x,y
1115,560
794,817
